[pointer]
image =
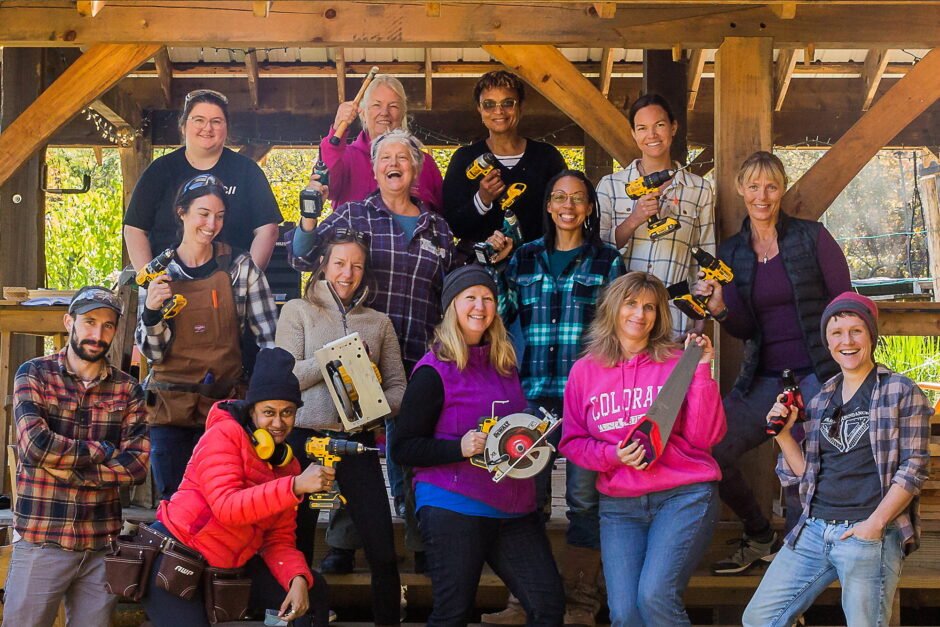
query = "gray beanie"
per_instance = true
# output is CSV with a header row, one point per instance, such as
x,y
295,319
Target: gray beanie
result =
x,y
462,278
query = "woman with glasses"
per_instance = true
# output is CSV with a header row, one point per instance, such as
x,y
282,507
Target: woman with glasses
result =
x,y
656,517
473,206
551,286
384,107
195,355
253,214
334,306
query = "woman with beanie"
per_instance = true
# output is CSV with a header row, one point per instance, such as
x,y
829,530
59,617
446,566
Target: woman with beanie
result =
x,y
656,519
860,471
235,506
465,518
333,307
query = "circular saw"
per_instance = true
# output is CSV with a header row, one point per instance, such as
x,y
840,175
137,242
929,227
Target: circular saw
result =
x,y
517,445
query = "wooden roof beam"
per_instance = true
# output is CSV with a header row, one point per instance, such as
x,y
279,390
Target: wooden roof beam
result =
x,y
784,10
261,8
875,63
164,68
89,8
340,56
251,66
696,68
607,69
605,10
783,72
94,73
555,77
428,79
899,106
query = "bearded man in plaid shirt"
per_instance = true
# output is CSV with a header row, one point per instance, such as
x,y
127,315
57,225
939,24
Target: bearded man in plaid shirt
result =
x,y
81,435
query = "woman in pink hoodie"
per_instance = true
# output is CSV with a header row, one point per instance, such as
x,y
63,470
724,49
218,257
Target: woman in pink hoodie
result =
x,y
656,520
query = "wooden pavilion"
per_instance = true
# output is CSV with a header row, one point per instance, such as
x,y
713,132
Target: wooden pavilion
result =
x,y
751,75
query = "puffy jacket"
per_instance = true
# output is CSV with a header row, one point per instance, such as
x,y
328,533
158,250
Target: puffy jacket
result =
x,y
232,505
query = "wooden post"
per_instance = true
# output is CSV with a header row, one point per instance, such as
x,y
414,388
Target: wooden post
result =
x,y
597,163
134,160
931,196
668,78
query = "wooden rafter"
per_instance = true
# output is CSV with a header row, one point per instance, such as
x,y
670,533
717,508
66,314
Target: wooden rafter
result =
x,y
555,77
696,67
428,79
251,66
89,8
340,56
94,73
605,10
875,63
783,73
809,53
164,69
824,181
784,10
261,8
607,68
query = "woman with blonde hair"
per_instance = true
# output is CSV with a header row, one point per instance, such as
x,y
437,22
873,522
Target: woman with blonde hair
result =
x,y
465,518
656,519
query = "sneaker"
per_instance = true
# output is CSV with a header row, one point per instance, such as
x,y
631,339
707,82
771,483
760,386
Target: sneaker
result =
x,y
512,615
332,617
748,553
338,561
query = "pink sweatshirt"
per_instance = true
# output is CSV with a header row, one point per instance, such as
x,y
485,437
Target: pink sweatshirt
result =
x,y
352,177
601,404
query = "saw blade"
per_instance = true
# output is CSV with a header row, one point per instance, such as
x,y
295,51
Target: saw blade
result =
x,y
517,447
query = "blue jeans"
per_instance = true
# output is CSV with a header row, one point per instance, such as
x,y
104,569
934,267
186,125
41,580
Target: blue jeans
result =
x,y
581,496
650,545
517,549
170,450
867,571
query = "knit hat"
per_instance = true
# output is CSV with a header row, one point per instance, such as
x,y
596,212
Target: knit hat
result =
x,y
462,278
862,306
273,378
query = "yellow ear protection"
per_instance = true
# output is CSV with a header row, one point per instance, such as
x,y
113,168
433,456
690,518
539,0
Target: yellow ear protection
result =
x,y
267,449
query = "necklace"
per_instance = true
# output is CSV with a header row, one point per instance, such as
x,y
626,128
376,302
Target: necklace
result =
x,y
768,252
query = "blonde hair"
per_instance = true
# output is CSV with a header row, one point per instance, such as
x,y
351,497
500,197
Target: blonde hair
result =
x,y
762,162
602,341
449,345
395,85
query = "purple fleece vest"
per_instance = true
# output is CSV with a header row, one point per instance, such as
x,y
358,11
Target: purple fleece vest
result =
x,y
468,395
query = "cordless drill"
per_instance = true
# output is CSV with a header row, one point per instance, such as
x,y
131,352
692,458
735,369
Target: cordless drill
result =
x,y
486,163
711,268
649,184
484,251
329,452
792,397
311,200
157,267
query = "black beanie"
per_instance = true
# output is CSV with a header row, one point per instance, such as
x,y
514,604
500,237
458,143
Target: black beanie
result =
x,y
462,278
273,378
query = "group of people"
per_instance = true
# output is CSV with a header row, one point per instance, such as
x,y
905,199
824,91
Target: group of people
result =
x,y
573,316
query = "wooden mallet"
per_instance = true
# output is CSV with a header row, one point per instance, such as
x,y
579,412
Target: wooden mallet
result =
x,y
335,140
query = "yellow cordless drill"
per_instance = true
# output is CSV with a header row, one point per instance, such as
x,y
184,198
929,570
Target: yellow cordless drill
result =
x,y
329,452
649,184
482,166
711,268
157,267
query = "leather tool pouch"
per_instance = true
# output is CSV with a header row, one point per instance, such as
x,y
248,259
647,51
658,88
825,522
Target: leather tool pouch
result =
x,y
180,571
127,567
226,593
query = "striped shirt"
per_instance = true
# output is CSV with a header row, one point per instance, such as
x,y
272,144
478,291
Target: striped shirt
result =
x,y
899,428
76,446
554,312
409,273
689,199
254,305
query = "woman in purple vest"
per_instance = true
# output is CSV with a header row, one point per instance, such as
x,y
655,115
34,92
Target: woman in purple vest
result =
x,y
465,518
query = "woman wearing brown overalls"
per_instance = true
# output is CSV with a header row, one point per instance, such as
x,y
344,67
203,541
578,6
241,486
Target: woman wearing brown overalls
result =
x,y
195,357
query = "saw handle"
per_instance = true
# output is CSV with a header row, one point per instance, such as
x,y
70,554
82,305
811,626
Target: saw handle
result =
x,y
646,432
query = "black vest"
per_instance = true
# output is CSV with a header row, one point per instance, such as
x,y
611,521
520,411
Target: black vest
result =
x,y
797,243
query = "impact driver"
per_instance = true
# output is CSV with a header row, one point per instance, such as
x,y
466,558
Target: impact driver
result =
x,y
329,452
649,184
157,267
311,200
711,268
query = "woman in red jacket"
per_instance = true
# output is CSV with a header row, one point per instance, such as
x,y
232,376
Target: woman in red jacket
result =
x,y
236,504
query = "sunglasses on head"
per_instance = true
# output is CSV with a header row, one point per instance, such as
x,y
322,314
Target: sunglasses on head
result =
x,y
345,234
836,425
196,93
203,180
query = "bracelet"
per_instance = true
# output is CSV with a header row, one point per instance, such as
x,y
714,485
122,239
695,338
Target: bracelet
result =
x,y
721,315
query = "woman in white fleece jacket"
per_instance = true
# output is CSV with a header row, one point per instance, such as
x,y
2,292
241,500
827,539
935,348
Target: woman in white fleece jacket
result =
x,y
656,520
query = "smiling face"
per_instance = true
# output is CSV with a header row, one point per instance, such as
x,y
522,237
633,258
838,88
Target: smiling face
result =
x,y
202,222
475,308
500,118
569,204
762,196
394,168
636,318
91,333
384,111
850,343
345,269
275,417
653,131
205,128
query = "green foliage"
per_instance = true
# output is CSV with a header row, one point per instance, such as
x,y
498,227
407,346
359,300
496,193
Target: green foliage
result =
x,y
914,357
83,231
288,171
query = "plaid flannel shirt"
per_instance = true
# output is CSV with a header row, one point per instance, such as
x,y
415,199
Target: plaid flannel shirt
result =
x,y
67,486
409,274
554,313
254,305
899,428
689,199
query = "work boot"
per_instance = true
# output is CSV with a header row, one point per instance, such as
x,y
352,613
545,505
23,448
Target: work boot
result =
x,y
514,614
749,552
338,561
580,568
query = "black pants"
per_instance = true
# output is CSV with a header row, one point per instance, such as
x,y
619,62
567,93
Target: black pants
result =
x,y
362,484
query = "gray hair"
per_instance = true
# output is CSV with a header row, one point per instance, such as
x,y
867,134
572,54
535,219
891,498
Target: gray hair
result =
x,y
395,85
399,136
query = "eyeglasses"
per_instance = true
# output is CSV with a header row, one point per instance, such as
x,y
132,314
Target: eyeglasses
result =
x,y
560,198
346,234
196,93
507,104
200,122
203,180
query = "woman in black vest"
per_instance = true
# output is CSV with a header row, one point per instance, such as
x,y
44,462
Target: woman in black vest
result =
x,y
785,272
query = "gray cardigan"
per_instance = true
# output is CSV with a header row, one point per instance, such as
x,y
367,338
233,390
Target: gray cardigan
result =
x,y
305,326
